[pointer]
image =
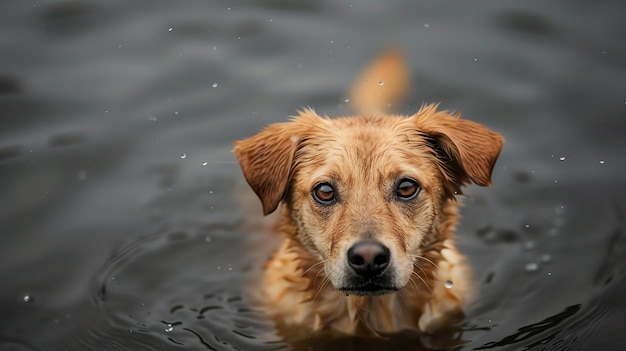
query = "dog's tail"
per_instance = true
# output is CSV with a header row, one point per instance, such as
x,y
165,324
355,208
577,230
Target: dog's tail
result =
x,y
381,85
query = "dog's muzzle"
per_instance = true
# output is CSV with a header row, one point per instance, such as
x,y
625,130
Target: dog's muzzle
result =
x,y
369,262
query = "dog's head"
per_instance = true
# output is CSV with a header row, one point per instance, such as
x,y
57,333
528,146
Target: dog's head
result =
x,y
367,193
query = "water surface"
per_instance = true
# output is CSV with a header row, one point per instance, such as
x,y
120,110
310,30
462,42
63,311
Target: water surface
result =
x,y
119,225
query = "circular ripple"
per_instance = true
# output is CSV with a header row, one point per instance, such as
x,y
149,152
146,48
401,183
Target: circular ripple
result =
x,y
179,289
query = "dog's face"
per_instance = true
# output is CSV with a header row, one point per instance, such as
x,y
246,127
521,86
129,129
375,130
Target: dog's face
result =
x,y
365,193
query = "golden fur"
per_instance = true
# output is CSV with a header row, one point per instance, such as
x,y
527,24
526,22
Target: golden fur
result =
x,y
308,282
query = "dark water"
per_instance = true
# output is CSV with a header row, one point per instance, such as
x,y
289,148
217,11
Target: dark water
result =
x,y
119,228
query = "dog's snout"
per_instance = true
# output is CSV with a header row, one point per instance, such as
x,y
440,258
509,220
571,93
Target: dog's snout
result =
x,y
368,258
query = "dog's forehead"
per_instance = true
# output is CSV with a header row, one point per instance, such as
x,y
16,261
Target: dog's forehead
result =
x,y
363,147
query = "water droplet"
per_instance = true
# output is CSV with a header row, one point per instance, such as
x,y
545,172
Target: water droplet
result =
x,y
205,163
82,175
549,273
183,156
562,158
169,328
475,60
527,226
381,83
346,100
426,25
171,29
214,85
332,41
176,113
28,298
559,210
448,284
545,258
601,162
532,267
529,245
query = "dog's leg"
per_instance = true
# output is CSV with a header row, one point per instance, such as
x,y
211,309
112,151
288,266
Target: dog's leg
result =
x,y
451,291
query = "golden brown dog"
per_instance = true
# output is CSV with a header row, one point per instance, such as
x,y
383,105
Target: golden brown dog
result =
x,y
368,210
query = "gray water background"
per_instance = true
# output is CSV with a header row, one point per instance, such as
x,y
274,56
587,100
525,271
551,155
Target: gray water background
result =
x,y
119,228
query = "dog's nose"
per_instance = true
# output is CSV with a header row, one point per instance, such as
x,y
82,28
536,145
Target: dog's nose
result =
x,y
368,258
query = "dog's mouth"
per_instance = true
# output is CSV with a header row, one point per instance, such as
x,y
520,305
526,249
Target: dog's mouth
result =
x,y
369,285
369,289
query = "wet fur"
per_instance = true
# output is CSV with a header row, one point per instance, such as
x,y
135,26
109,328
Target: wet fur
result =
x,y
364,156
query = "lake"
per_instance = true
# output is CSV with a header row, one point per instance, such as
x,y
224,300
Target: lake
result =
x,y
120,227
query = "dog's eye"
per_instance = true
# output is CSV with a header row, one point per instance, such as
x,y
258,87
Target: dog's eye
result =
x,y
324,194
407,189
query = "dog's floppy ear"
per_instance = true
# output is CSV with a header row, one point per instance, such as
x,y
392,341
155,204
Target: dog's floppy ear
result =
x,y
467,150
266,160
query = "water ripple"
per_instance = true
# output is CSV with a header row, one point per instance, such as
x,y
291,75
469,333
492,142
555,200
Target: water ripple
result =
x,y
168,285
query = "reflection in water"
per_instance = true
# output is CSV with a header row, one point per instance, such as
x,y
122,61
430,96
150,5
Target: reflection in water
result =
x,y
407,340
536,329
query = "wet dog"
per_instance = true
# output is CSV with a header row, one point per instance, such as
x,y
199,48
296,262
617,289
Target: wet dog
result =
x,y
368,210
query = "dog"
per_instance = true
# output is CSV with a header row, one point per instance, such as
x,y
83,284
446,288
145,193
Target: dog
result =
x,y
368,210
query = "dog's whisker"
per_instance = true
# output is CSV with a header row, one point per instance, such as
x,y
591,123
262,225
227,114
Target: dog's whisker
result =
x,y
421,269
420,257
313,266
415,274
362,308
319,272
413,284
321,287
317,275
360,317
341,308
